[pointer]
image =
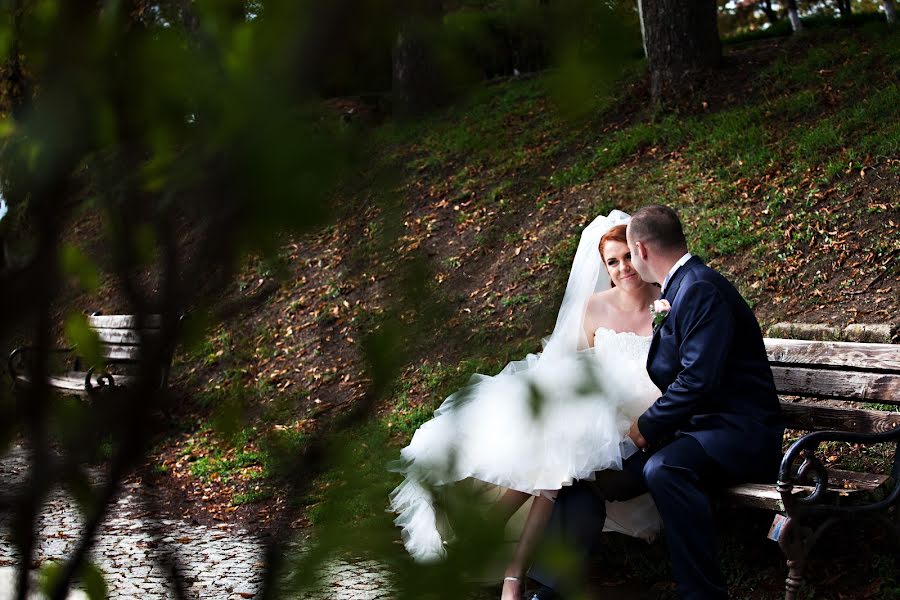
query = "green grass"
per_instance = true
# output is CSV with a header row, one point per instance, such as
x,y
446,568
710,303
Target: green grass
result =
x,y
354,491
514,126
720,232
732,141
215,458
251,497
517,300
786,73
278,451
489,121
625,144
822,140
573,175
406,417
883,138
802,105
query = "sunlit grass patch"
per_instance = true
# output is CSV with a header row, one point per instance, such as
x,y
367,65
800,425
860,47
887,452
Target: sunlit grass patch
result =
x,y
719,231
213,457
580,172
874,122
257,494
510,115
733,140
625,144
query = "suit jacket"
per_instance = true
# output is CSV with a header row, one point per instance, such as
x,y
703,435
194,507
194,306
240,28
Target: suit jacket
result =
x,y
709,359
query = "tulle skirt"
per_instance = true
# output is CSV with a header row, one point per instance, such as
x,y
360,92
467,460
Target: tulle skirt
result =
x,y
536,426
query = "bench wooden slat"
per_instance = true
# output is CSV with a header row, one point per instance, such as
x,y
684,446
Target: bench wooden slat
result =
x,y
124,321
767,496
73,381
855,355
849,385
115,353
755,495
124,336
58,381
813,417
856,479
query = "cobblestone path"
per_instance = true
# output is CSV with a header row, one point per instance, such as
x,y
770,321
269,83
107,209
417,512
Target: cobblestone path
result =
x,y
218,562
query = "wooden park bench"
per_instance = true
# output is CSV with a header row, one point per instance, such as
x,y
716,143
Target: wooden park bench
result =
x,y
124,341
836,392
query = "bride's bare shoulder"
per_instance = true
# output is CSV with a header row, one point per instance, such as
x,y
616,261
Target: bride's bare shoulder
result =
x,y
600,301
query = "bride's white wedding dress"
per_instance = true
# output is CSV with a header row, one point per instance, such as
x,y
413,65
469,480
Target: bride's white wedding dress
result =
x,y
535,427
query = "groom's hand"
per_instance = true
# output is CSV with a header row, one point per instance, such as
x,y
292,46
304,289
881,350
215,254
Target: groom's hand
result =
x,y
635,434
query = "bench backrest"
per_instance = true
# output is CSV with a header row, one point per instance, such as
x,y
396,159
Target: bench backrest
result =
x,y
849,372
120,336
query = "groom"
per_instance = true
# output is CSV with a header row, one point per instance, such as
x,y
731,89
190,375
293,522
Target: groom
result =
x,y
717,423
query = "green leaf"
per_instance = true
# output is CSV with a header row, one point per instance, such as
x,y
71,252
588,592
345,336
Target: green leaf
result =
x,y
7,127
75,263
85,339
48,577
93,582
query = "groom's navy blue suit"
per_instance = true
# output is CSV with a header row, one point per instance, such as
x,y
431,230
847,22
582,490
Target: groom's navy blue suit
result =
x,y
716,424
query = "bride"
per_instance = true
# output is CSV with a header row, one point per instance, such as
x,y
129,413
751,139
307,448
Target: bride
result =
x,y
550,419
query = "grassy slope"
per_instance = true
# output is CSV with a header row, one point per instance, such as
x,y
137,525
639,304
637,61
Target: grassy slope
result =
x,y
786,171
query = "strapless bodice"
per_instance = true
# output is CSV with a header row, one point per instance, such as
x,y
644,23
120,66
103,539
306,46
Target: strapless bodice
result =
x,y
621,345
621,358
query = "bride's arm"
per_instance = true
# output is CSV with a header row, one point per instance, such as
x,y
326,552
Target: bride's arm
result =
x,y
591,320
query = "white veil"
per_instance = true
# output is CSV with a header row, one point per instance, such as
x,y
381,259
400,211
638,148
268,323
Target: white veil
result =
x,y
587,277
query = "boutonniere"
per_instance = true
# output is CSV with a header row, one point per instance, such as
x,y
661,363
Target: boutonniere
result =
x,y
659,310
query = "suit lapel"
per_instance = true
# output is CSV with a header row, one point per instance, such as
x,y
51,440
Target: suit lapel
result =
x,y
678,277
670,295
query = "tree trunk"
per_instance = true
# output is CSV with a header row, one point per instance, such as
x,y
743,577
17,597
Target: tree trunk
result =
x,y
417,82
16,84
889,11
844,8
771,15
643,33
794,16
682,41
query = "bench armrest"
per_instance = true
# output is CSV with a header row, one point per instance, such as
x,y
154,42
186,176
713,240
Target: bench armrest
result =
x,y
20,354
811,471
101,381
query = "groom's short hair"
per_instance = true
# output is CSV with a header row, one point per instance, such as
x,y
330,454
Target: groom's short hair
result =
x,y
658,225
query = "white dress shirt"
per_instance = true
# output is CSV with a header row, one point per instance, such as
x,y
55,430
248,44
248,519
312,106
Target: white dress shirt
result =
x,y
681,261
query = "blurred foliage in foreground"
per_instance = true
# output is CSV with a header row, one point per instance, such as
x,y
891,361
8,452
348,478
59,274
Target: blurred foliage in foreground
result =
x,y
196,133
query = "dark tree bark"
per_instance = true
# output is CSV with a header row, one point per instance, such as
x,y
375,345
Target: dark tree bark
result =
x,y
681,40
417,82
16,85
766,7
794,16
844,8
889,12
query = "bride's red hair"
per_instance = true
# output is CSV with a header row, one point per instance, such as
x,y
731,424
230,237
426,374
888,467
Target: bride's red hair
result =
x,y
615,234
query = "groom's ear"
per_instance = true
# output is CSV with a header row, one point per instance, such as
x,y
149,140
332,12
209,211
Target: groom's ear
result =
x,y
641,248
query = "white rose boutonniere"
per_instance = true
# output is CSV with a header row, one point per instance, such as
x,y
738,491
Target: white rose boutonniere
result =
x,y
659,310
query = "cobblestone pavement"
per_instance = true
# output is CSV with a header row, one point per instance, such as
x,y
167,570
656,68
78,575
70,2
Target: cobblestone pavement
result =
x,y
218,562
222,562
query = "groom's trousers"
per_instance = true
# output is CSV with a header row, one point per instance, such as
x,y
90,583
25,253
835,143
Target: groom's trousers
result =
x,y
678,476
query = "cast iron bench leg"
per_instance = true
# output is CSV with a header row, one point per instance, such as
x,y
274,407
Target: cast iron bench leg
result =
x,y
793,541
